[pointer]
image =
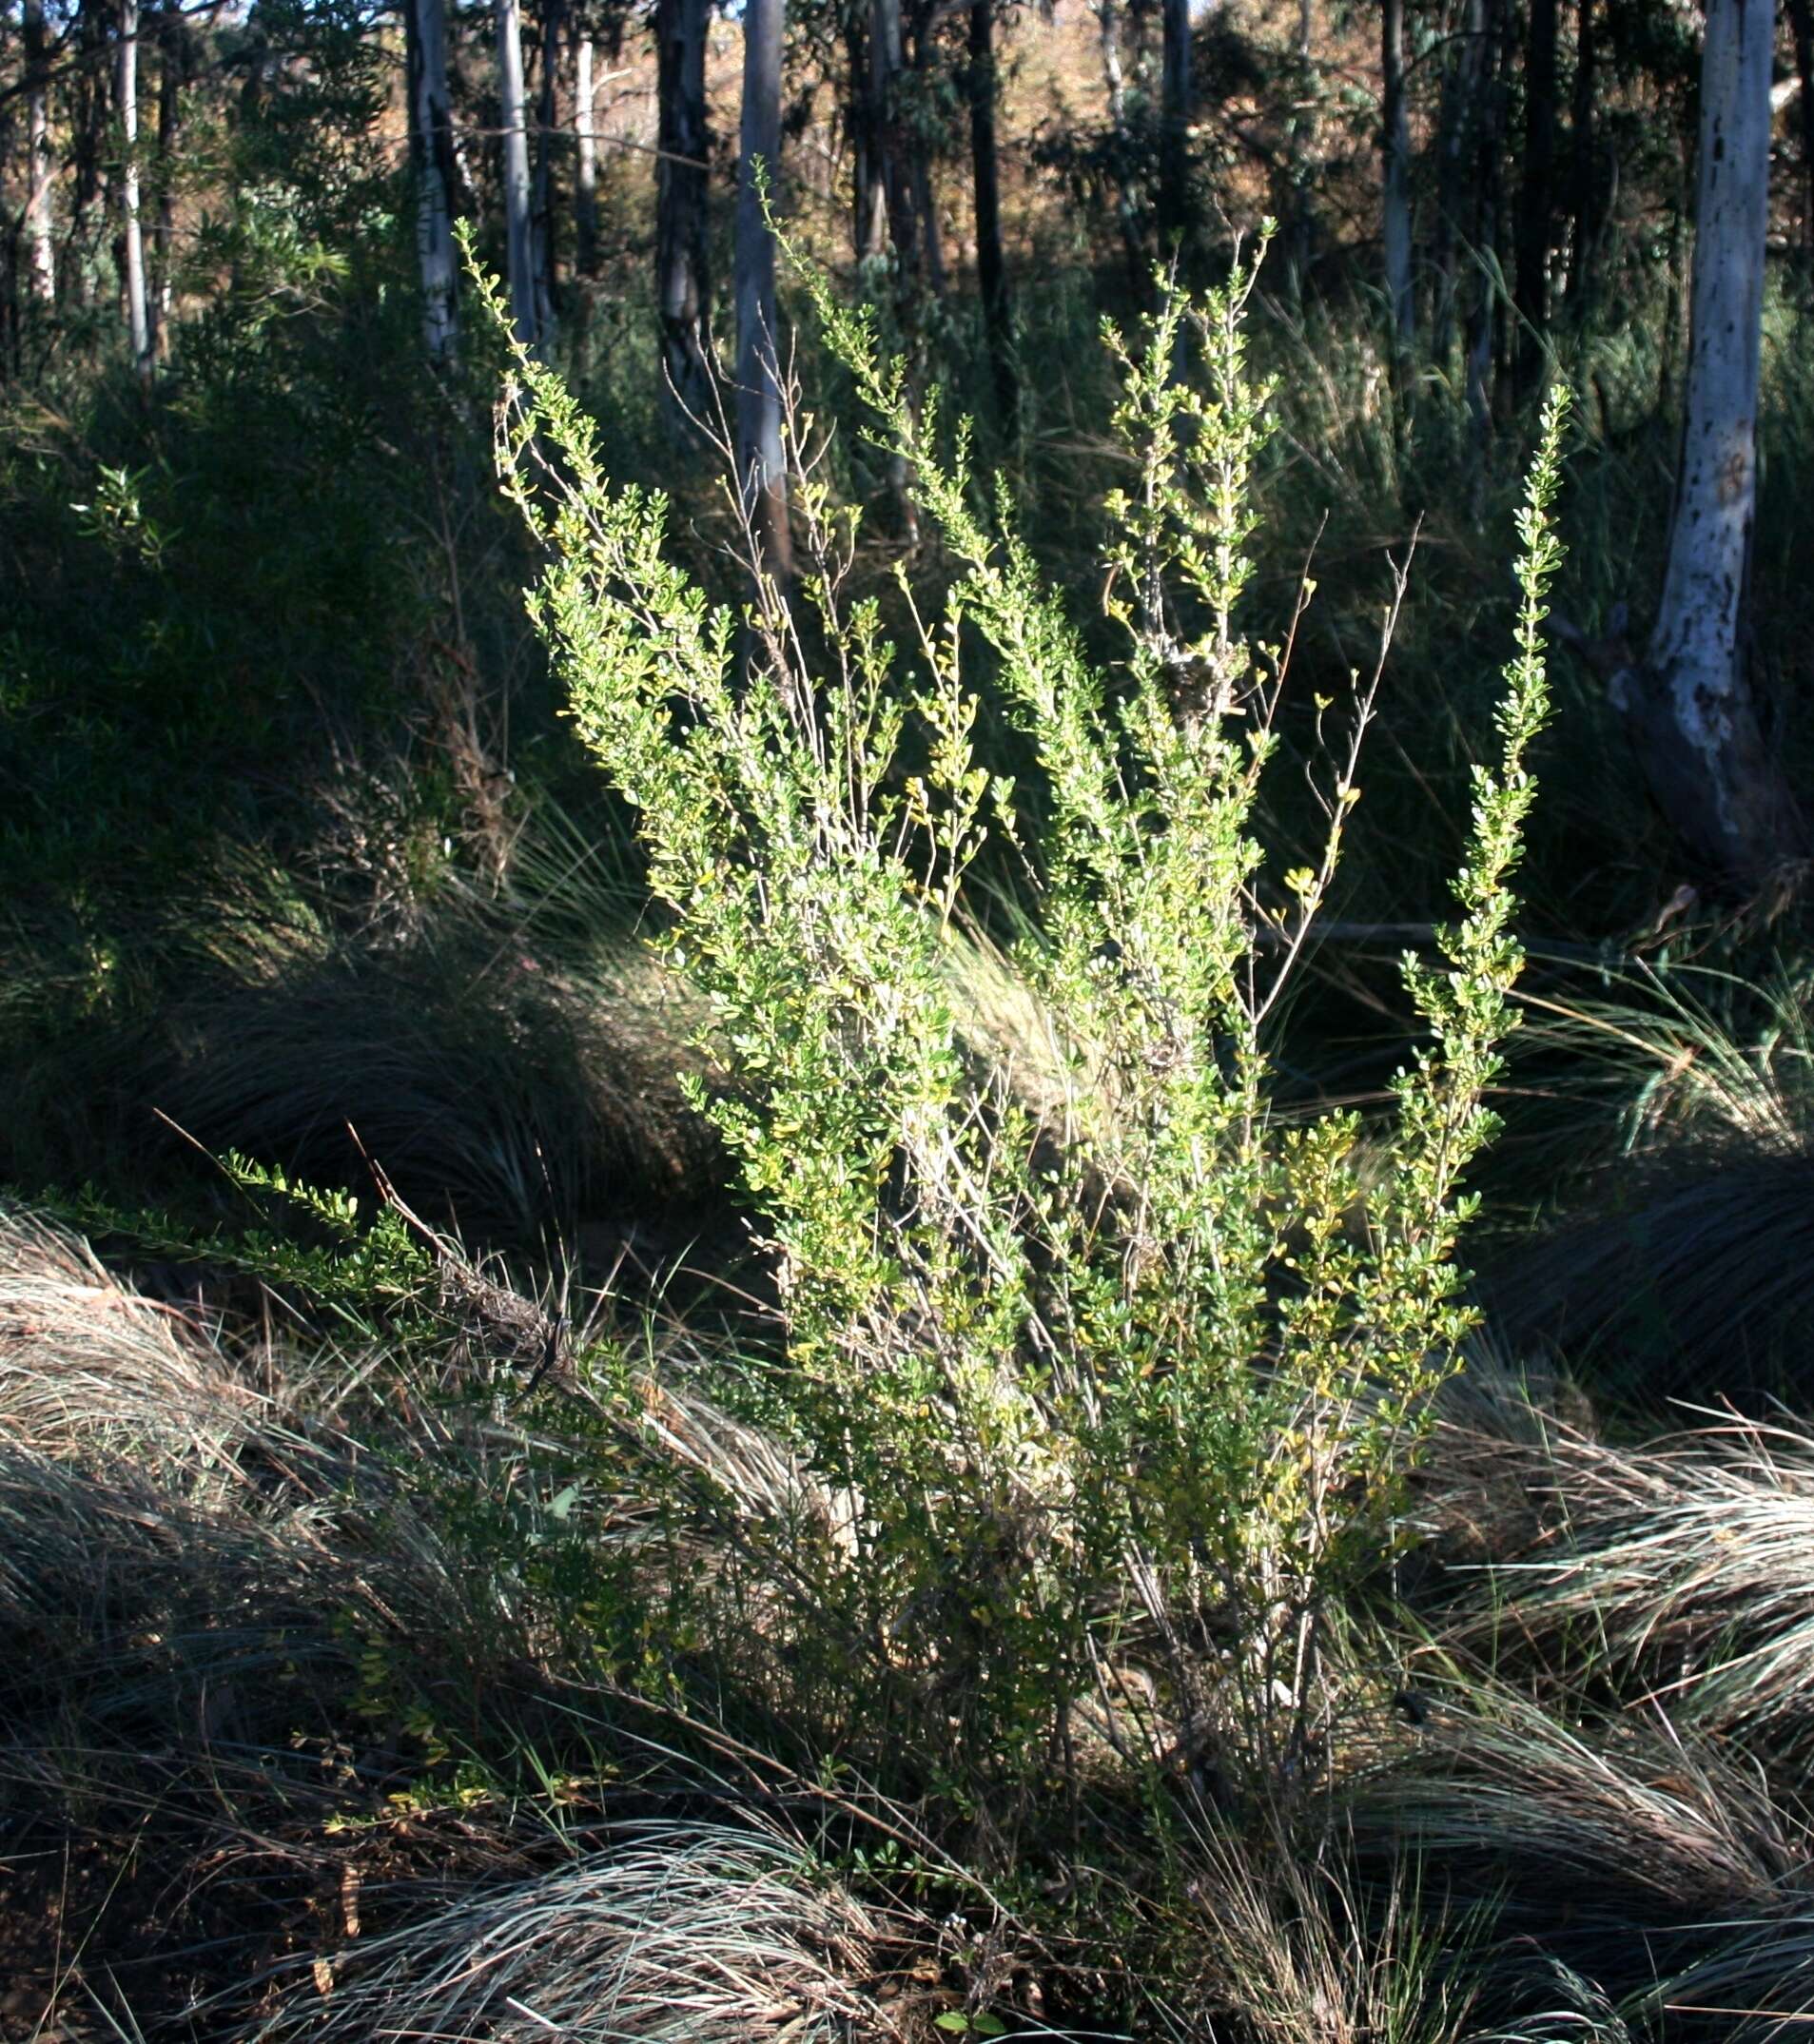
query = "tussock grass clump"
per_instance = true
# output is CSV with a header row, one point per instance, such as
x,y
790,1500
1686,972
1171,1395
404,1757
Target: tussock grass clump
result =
x,y
1489,1484
1679,1574
88,1367
713,1933
194,1564
1297,1948
1625,1852
1684,1271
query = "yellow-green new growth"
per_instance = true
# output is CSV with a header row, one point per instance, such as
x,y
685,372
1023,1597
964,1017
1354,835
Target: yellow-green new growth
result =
x,y
1146,1362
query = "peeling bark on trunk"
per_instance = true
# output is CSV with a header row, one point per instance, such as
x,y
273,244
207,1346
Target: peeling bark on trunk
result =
x,y
761,474
586,156
40,225
519,228
431,146
137,305
682,190
1395,152
992,266
1691,706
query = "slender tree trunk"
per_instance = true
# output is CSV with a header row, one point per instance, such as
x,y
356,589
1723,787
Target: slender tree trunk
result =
x,y
926,210
1694,714
519,228
137,305
89,113
1487,224
431,146
919,155
869,212
1174,135
542,211
1306,147
894,148
991,264
40,223
173,75
1108,25
762,472
1109,31
1457,205
682,192
586,172
1530,283
1584,175
1394,150
1802,28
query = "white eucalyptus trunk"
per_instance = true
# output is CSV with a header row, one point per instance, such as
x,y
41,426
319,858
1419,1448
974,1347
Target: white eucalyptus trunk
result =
x,y
762,472
40,225
1698,670
431,125
138,311
519,227
1108,30
586,171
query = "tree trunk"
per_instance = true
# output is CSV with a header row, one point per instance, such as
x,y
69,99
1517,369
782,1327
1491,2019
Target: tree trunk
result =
x,y
991,264
89,116
1530,283
1802,30
1305,162
921,56
1584,175
174,70
431,149
682,191
761,474
1394,150
1463,97
892,146
1692,709
1108,25
137,305
40,225
1174,134
519,228
869,211
1487,226
541,243
586,172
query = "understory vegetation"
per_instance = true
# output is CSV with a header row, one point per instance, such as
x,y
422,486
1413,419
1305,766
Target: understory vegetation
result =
x,y
1047,1274
782,1409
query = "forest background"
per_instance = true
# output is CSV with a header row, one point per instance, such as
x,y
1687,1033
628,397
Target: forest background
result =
x,y
559,1476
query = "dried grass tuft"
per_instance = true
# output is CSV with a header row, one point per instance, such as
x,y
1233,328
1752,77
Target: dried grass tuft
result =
x,y
711,1933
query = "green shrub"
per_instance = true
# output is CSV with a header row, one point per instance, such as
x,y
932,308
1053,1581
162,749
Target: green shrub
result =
x,y
1125,1380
